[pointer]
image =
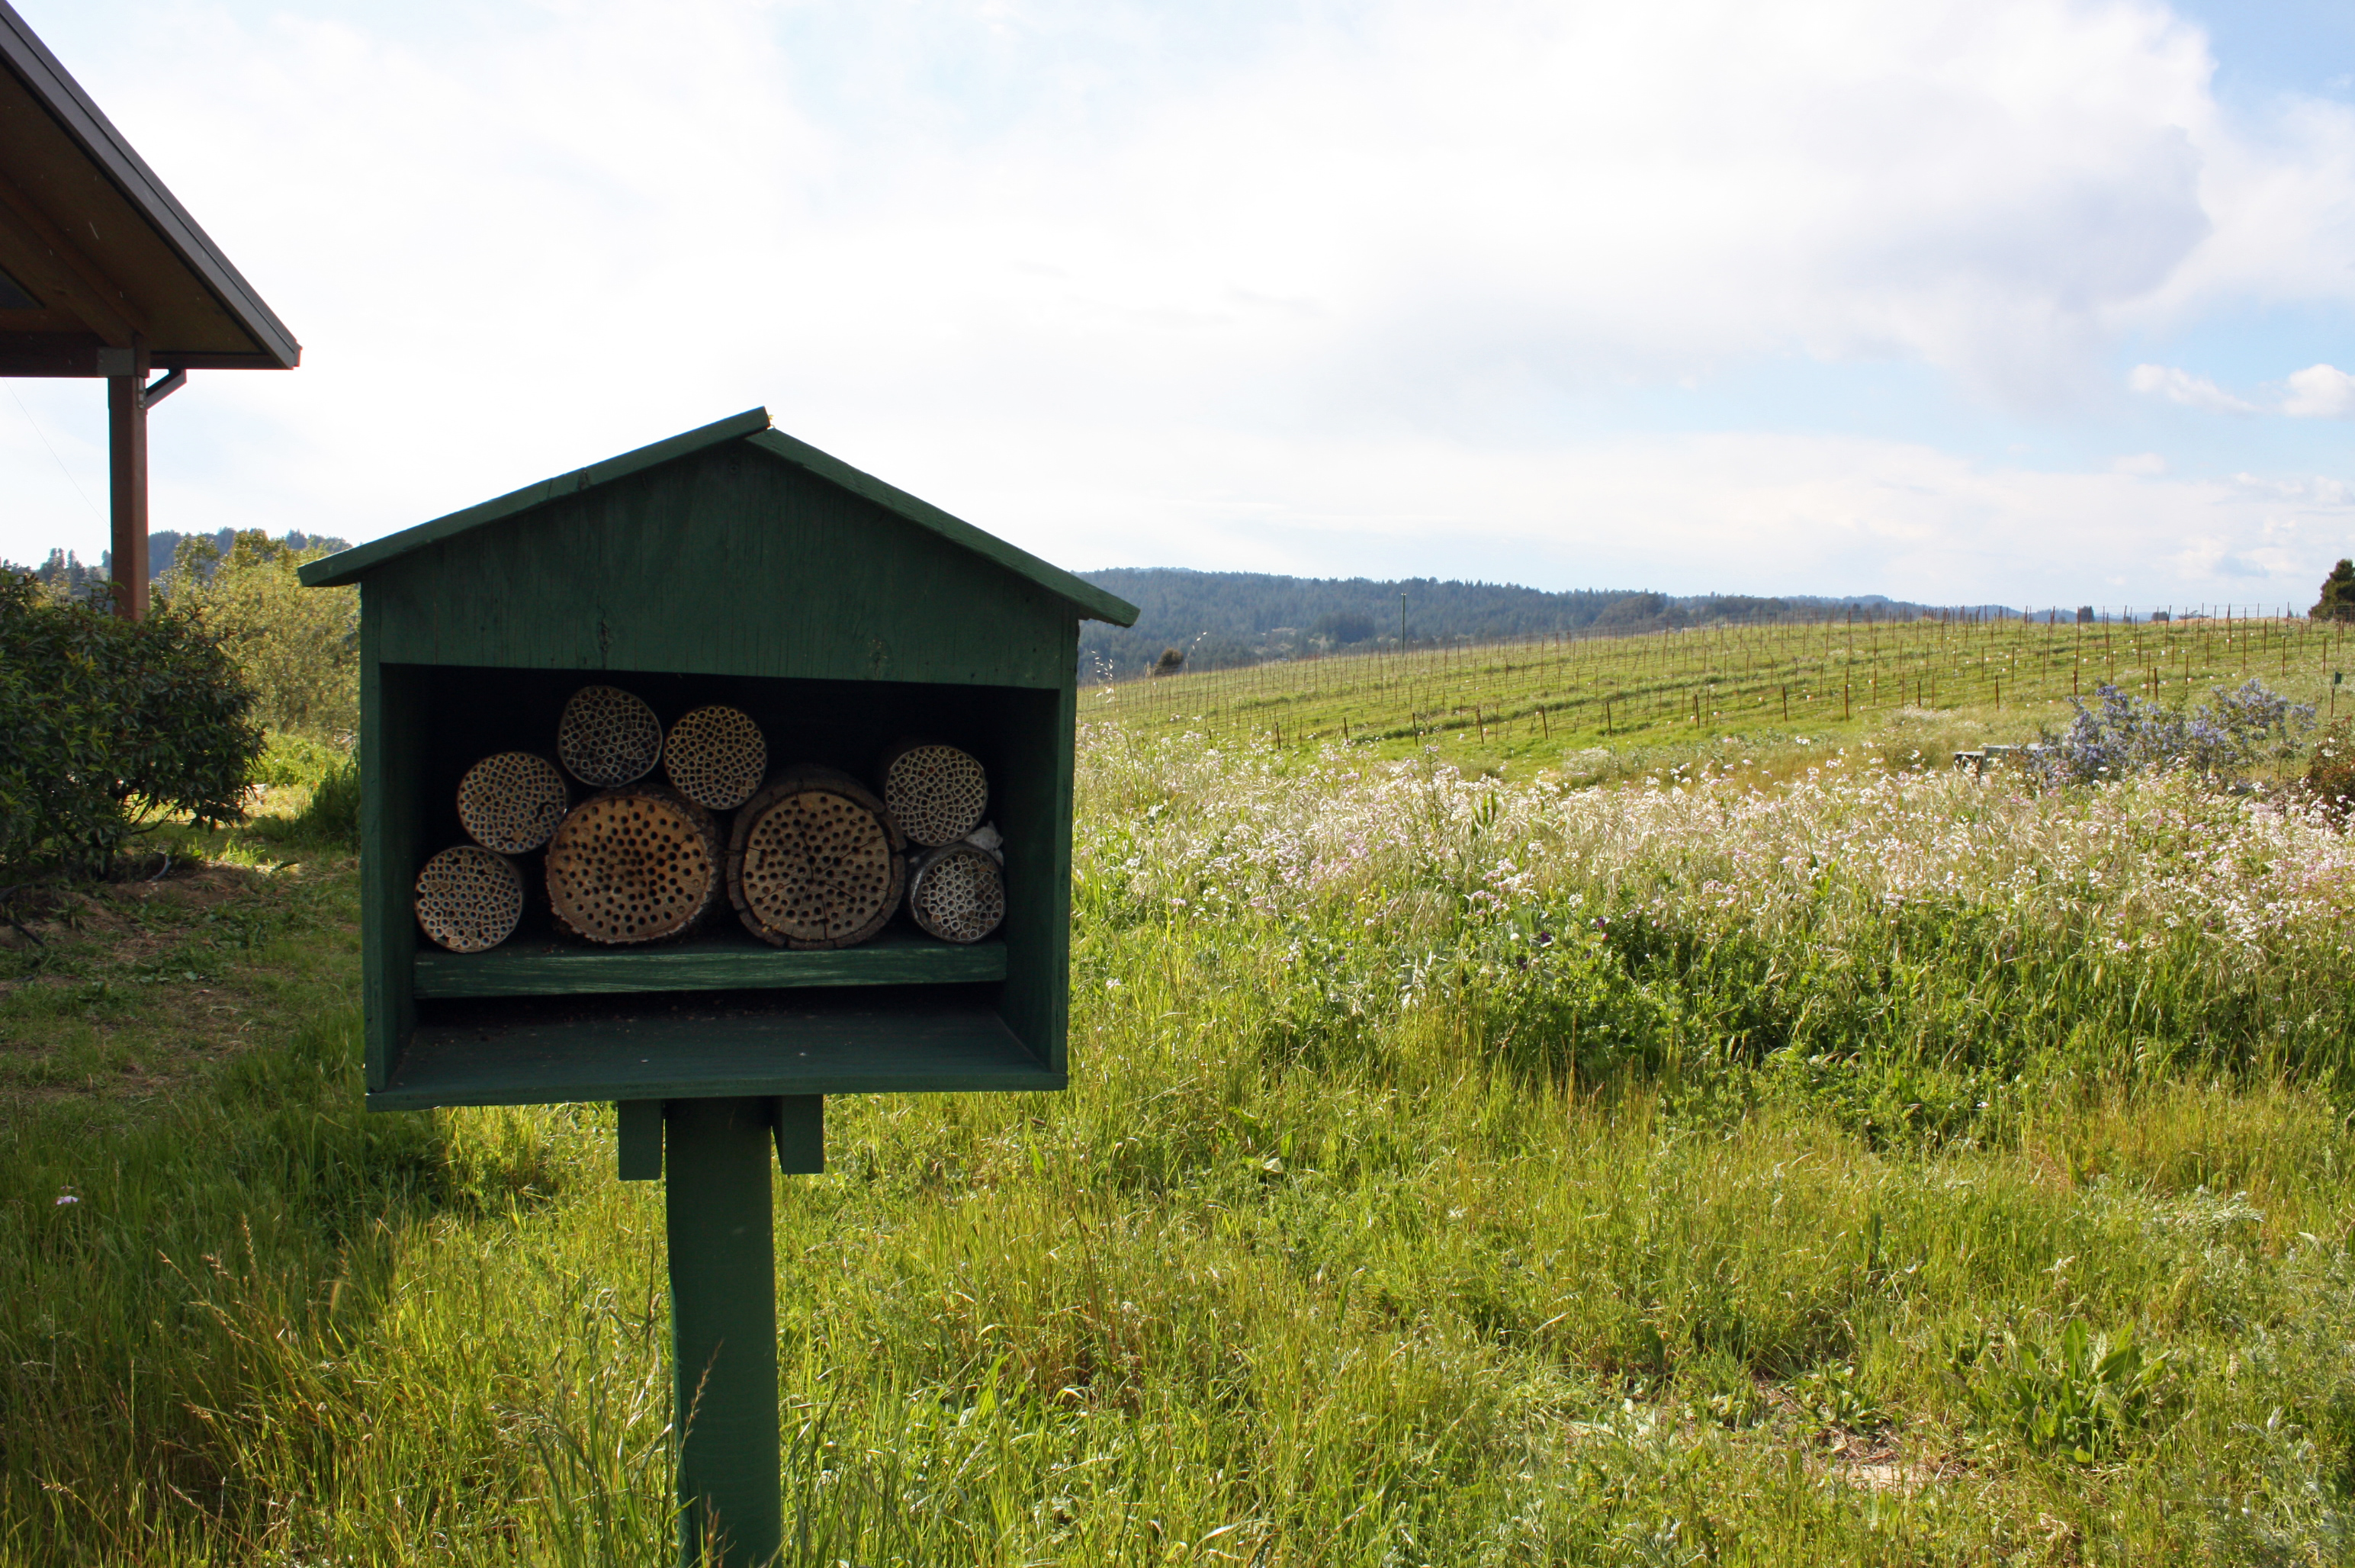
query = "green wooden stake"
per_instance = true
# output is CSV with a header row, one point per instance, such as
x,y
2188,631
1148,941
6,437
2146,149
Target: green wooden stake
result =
x,y
723,1327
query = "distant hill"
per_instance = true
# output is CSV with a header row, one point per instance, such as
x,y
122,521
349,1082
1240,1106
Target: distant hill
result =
x,y
66,573
164,545
1221,619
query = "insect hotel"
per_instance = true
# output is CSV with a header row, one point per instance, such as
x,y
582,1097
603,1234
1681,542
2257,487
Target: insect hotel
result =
x,y
709,780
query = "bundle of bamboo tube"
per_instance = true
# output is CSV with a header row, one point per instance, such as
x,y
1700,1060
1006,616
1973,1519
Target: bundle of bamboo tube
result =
x,y
813,858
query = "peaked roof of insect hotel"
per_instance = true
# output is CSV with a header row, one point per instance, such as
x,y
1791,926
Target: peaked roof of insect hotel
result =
x,y
737,501
94,250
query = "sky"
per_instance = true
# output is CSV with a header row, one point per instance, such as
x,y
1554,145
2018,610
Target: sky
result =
x,y
2022,300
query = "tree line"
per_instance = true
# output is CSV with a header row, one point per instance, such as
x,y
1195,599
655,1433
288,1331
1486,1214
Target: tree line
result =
x,y
1218,620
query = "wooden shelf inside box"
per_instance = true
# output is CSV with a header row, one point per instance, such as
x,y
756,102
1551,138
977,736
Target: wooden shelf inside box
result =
x,y
544,1051
726,959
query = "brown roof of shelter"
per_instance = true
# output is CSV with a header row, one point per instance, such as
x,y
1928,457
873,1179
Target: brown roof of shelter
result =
x,y
94,250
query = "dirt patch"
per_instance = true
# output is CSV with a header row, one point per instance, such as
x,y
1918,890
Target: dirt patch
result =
x,y
134,916
1873,1460
121,990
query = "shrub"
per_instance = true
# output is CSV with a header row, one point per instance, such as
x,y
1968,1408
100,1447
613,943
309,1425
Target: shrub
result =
x,y
2127,735
299,646
105,722
2330,777
2337,601
333,816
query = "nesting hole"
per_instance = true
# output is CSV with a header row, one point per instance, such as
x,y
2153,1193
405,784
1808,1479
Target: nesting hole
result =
x,y
936,794
608,736
469,899
512,801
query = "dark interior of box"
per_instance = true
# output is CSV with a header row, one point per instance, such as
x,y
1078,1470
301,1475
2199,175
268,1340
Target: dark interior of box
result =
x,y
468,713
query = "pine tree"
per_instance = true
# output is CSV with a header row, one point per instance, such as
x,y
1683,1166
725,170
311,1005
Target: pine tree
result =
x,y
2337,601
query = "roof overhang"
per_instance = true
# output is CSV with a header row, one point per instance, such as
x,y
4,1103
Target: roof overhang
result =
x,y
101,253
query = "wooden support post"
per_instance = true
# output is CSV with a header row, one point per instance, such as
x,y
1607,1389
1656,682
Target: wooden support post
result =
x,y
723,1306
126,454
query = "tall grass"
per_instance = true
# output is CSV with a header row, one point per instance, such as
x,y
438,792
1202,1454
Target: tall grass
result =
x,y
1455,1172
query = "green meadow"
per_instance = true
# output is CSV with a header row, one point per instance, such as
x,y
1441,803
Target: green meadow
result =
x,y
1645,1149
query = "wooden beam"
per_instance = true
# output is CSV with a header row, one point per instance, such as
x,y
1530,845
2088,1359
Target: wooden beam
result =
x,y
126,433
40,257
48,354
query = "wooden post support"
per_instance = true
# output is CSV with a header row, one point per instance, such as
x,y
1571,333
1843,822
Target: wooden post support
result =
x,y
126,464
723,1316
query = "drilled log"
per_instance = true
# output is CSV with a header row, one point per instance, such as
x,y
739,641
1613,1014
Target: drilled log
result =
x,y
716,757
469,899
935,792
511,802
608,738
815,862
958,892
633,865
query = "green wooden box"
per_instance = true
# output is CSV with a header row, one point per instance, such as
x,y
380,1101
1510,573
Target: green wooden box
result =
x,y
730,564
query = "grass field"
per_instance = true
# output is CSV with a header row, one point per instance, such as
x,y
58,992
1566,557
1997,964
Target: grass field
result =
x,y
1838,680
1877,1165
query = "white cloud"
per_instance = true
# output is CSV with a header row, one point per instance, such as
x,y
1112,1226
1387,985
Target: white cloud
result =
x,y
1688,513
2320,392
2144,464
1129,281
2318,489
2183,386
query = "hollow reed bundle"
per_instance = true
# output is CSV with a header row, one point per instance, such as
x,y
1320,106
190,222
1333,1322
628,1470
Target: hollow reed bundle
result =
x,y
716,757
633,865
815,862
512,801
958,892
608,736
936,794
469,898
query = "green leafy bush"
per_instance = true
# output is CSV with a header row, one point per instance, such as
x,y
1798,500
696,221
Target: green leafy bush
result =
x,y
2330,777
2337,601
2079,1398
1834,1395
105,722
299,646
297,762
333,816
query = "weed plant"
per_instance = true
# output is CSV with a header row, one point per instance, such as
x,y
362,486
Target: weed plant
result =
x,y
1888,1166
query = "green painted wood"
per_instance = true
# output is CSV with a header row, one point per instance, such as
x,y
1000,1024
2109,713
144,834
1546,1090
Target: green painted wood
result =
x,y
1034,807
351,565
800,1122
390,752
716,1213
638,1139
1093,601
820,584
536,1051
843,614
728,958
751,429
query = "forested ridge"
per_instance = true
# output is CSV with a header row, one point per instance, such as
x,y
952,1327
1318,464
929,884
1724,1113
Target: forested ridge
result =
x,y
1220,619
